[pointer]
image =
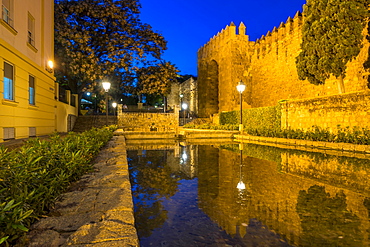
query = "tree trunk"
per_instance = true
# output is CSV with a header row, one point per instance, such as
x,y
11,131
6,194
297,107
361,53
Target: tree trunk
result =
x,y
341,85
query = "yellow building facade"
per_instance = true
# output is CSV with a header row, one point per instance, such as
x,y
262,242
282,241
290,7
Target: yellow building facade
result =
x,y
29,103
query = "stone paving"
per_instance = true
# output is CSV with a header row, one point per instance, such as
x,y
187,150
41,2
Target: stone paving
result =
x,y
97,212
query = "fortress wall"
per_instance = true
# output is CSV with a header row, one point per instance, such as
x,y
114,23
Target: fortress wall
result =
x,y
221,63
349,109
267,66
274,70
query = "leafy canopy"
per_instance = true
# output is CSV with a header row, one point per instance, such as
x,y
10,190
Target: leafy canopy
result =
x,y
157,79
95,39
332,36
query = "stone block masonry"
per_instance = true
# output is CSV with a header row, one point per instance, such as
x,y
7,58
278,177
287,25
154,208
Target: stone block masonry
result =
x,y
267,67
97,212
347,110
143,121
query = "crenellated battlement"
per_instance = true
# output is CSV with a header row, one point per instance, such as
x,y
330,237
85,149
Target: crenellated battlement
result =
x,y
291,27
279,34
228,33
267,66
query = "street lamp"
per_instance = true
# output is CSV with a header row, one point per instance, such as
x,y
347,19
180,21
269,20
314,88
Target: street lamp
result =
x,y
241,87
184,107
106,86
114,104
181,96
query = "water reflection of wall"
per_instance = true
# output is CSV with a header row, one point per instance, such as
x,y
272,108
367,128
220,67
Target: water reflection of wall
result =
x,y
184,161
283,196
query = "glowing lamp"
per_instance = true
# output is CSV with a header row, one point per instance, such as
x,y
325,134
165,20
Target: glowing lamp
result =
x,y
106,86
240,87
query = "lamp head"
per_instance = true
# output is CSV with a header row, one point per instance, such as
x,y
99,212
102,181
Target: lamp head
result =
x,y
114,104
106,86
240,87
241,185
50,64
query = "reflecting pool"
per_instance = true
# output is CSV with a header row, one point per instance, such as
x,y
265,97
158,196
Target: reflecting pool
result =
x,y
230,194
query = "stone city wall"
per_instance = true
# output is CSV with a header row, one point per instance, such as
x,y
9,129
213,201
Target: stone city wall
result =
x,y
143,121
350,109
267,67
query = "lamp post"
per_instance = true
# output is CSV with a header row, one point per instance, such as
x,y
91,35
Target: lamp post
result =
x,y
114,104
184,107
181,96
241,87
106,86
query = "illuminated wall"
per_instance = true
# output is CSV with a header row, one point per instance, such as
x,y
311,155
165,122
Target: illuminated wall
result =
x,y
266,66
26,45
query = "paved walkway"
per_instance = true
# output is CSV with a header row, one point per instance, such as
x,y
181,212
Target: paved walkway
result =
x,y
97,212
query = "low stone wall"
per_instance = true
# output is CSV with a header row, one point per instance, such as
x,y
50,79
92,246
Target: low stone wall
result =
x,y
97,211
352,109
143,121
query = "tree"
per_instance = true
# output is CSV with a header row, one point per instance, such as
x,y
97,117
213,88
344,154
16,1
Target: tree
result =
x,y
157,80
332,36
98,39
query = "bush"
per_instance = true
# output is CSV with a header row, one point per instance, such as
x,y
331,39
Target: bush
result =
x,y
256,121
32,177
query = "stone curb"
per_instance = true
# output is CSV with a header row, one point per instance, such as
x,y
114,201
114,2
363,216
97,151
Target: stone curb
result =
x,y
99,213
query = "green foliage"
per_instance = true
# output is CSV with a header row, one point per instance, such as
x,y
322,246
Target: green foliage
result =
x,y
256,121
262,119
157,79
32,177
230,117
355,135
331,37
101,39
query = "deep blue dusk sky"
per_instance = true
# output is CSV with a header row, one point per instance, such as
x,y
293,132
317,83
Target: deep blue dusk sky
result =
x,y
189,24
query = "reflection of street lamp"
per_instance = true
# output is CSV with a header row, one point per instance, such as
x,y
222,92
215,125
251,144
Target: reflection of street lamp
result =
x,y
241,87
184,107
106,86
241,184
114,104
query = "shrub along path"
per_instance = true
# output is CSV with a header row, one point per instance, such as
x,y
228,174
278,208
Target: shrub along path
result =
x,y
97,211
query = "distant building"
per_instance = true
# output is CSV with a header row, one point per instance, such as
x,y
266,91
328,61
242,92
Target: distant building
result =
x,y
184,92
29,104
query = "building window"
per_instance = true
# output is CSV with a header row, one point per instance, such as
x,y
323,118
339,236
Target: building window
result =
x,y
8,81
31,87
31,30
9,133
32,131
7,11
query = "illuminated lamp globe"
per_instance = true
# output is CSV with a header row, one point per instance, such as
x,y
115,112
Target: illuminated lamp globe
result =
x,y
240,87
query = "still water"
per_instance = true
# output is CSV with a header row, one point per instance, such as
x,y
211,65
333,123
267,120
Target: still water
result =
x,y
248,195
